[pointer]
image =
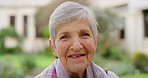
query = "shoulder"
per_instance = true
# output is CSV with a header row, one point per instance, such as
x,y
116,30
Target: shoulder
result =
x,y
46,73
111,74
106,73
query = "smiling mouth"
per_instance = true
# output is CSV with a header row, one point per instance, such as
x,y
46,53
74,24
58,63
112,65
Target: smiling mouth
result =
x,y
76,55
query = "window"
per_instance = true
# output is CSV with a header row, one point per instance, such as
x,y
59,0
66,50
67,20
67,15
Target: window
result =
x,y
25,21
38,32
122,34
122,29
145,23
12,21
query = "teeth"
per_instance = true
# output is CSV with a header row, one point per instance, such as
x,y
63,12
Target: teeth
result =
x,y
78,55
74,56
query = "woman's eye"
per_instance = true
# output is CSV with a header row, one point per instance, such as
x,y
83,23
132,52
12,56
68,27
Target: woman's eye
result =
x,y
85,35
64,37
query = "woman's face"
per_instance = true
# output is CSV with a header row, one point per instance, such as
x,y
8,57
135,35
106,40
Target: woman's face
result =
x,y
75,46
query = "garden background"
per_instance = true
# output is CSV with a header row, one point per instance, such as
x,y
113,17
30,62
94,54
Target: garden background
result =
x,y
17,63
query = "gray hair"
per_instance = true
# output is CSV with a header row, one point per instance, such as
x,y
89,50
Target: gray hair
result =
x,y
69,11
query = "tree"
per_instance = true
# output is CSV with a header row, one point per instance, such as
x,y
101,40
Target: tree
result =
x,y
108,45
108,23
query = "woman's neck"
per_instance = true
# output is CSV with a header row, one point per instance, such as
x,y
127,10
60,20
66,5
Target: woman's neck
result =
x,y
78,75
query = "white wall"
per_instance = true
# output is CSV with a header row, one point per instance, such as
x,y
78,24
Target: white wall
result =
x,y
4,18
134,26
108,3
134,22
136,8
19,8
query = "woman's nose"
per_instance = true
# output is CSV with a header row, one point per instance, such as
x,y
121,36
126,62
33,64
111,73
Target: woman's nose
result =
x,y
76,45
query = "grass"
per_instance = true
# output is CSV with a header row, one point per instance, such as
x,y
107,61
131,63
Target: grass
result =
x,y
135,76
43,60
40,60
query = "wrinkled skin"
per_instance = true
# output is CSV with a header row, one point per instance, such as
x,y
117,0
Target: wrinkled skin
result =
x,y
75,46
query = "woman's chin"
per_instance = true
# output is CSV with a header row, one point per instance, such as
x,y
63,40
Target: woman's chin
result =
x,y
78,67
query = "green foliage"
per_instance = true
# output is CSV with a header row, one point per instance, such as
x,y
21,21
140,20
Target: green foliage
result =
x,y
48,52
13,50
143,75
121,68
6,32
7,70
9,32
46,32
114,53
28,63
107,20
108,43
140,61
22,65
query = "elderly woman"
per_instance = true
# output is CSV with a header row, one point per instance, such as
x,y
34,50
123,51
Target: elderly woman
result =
x,y
73,39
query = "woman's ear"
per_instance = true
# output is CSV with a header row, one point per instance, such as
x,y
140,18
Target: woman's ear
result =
x,y
53,48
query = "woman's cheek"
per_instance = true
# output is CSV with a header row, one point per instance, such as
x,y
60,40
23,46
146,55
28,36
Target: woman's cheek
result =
x,y
90,47
63,48
89,44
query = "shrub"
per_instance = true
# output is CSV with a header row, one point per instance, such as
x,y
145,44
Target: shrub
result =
x,y
46,32
8,32
140,61
13,50
121,68
7,70
28,63
113,53
47,51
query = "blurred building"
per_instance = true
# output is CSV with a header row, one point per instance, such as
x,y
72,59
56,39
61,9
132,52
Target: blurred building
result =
x,y
133,32
20,14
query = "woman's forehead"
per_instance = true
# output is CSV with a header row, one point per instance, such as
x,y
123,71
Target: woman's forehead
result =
x,y
73,26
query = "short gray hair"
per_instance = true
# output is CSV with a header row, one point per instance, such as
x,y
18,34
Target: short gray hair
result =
x,y
69,11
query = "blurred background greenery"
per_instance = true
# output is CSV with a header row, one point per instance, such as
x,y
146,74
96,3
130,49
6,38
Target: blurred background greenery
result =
x,y
28,65
16,63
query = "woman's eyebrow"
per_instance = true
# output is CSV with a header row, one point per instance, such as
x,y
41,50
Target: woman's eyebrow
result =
x,y
84,30
63,33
